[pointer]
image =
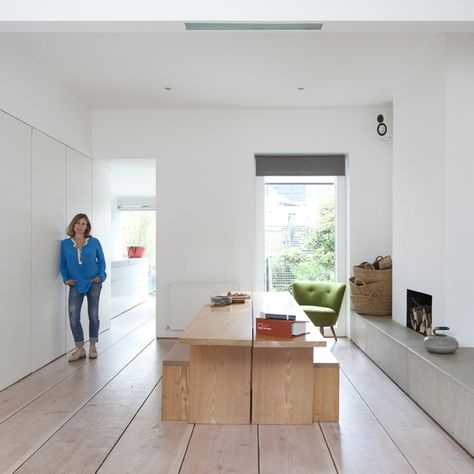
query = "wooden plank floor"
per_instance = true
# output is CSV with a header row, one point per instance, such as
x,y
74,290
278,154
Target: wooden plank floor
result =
x,y
104,416
29,388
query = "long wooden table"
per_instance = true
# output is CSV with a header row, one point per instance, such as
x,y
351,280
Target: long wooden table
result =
x,y
220,362
282,382
233,369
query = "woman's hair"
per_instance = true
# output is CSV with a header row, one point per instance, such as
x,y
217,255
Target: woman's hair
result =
x,y
78,217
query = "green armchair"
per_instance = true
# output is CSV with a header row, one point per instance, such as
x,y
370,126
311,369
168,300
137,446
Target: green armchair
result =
x,y
321,301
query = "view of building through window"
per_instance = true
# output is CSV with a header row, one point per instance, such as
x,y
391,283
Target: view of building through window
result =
x,y
299,230
138,229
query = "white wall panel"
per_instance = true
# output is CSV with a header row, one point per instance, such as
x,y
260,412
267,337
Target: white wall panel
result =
x,y
15,257
78,200
419,189
48,224
459,225
101,222
206,184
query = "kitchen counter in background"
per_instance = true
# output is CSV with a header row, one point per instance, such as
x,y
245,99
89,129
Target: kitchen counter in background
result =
x,y
129,284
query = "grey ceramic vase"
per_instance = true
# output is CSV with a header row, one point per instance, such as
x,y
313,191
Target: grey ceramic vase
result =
x,y
441,343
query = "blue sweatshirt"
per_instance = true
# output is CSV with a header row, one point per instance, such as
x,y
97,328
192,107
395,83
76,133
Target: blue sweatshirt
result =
x,y
82,265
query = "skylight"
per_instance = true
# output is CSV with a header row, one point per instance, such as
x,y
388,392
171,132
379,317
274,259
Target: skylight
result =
x,y
252,26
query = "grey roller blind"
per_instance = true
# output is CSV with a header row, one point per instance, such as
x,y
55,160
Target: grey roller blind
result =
x,y
300,165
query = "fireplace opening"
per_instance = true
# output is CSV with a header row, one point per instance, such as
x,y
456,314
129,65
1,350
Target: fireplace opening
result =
x,y
419,312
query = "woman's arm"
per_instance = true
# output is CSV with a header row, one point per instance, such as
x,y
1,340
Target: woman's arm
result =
x,y
101,261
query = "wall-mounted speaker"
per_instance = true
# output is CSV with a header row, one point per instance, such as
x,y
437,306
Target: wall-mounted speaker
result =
x,y
381,126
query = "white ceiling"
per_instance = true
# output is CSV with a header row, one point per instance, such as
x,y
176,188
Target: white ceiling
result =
x,y
348,65
227,69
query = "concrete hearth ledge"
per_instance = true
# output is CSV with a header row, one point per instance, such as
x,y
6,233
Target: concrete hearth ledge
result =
x,y
459,365
442,384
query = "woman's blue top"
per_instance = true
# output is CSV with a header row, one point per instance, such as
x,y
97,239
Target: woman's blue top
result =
x,y
82,265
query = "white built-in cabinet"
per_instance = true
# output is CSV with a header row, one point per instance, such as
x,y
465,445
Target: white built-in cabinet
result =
x,y
43,184
48,222
101,222
15,245
78,200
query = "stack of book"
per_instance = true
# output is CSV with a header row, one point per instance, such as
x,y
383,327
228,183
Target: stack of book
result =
x,y
280,325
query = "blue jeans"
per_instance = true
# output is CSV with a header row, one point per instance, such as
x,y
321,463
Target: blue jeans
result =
x,y
75,305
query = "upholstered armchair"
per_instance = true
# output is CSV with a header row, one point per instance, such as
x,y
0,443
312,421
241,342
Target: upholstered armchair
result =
x,y
321,301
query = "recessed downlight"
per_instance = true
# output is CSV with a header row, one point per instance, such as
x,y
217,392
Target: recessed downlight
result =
x,y
252,26
166,88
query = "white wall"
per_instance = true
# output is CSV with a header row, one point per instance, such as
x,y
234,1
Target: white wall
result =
x,y
432,182
48,320
459,224
34,197
418,185
115,248
30,94
38,120
101,221
15,257
206,192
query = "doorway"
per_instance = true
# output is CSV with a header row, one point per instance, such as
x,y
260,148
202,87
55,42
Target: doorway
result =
x,y
133,224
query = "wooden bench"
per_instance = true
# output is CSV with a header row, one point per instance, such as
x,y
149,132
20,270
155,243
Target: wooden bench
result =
x,y
325,385
175,395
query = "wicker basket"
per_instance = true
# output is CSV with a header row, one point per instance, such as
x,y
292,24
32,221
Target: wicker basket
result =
x,y
360,287
372,305
383,263
371,276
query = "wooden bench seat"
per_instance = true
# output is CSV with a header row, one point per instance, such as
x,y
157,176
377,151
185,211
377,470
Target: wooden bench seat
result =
x,y
325,385
175,395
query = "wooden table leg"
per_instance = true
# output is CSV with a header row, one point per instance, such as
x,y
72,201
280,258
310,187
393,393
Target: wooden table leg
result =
x,y
219,384
282,386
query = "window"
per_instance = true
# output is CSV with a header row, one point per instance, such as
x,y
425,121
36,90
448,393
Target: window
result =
x,y
299,230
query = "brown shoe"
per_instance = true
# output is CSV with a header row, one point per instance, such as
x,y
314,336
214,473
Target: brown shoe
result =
x,y
77,354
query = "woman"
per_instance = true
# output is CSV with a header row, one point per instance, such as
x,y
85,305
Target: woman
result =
x,y
83,270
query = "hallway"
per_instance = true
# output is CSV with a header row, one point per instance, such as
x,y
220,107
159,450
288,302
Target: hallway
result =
x,y
104,416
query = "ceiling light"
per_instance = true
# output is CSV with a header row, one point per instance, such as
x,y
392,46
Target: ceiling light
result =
x,y
168,89
252,26
301,88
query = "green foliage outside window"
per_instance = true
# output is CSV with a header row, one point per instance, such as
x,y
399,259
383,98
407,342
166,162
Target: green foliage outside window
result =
x,y
316,258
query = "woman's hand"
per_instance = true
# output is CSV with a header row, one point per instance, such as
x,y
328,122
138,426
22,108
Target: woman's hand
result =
x,y
96,280
71,282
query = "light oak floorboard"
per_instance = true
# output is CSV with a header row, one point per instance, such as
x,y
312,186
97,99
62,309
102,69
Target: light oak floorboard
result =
x,y
83,443
294,449
358,443
428,448
222,448
379,429
23,433
20,394
149,445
